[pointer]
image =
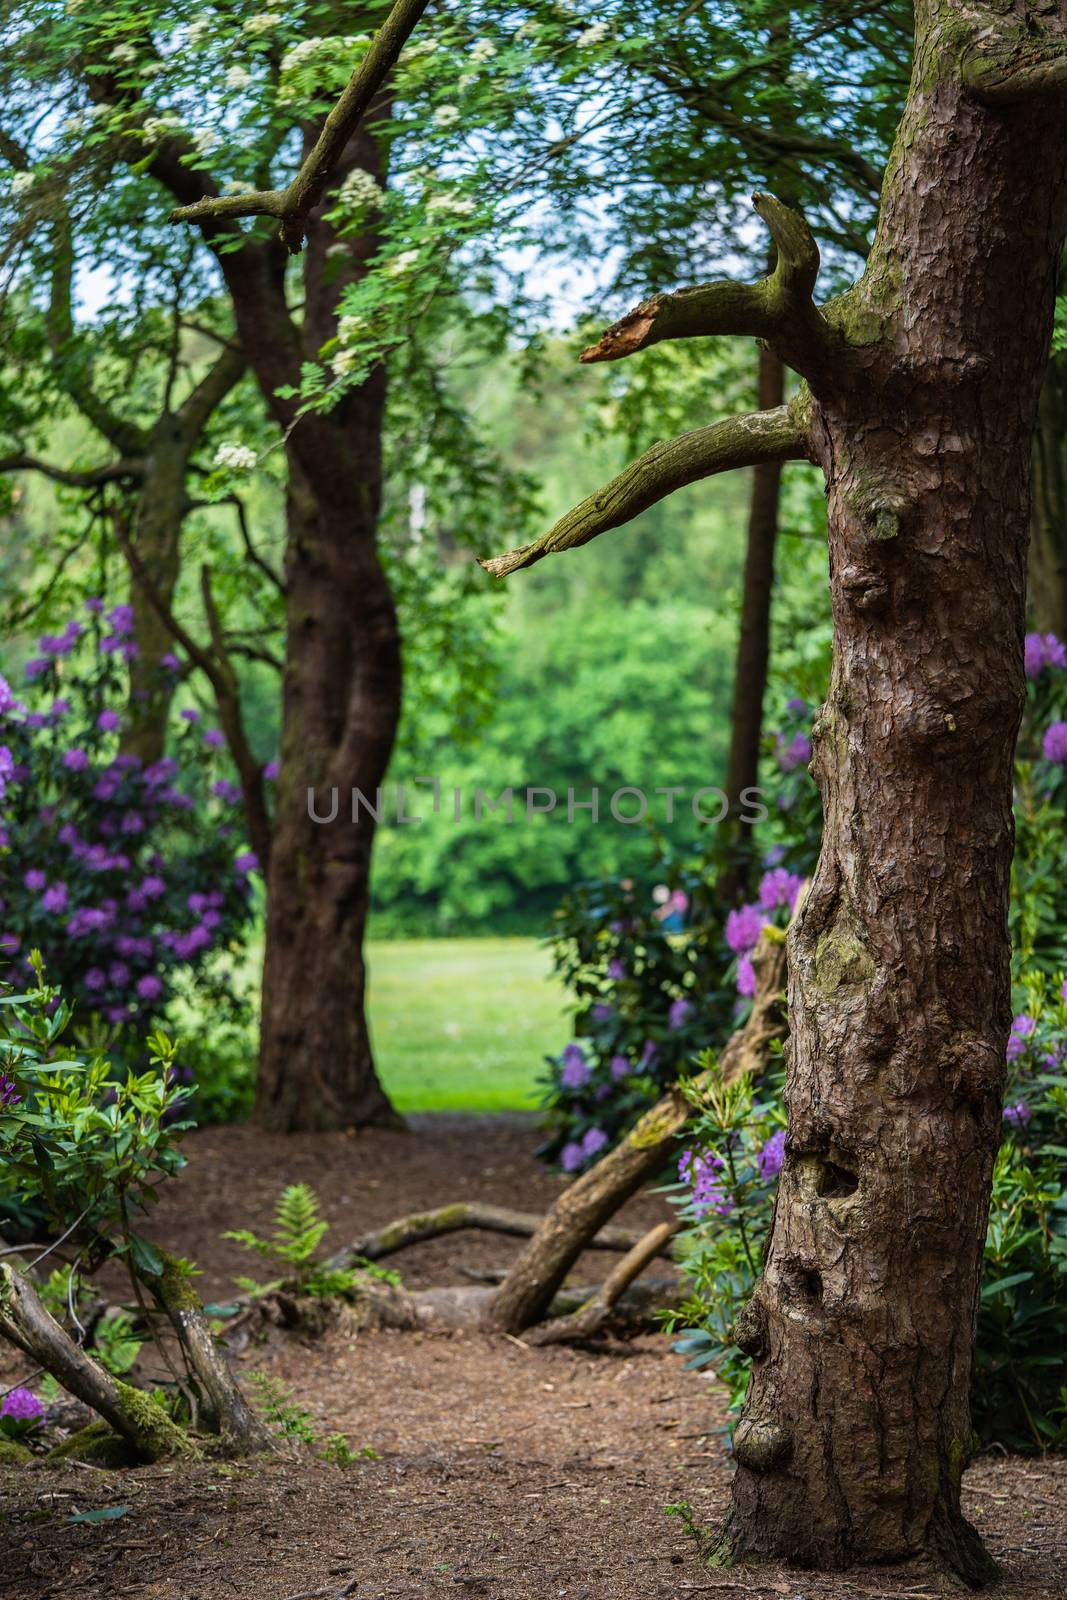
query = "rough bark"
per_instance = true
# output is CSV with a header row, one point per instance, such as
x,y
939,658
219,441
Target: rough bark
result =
x,y
855,1430
341,701
156,525
586,1205
754,637
594,1313
1048,516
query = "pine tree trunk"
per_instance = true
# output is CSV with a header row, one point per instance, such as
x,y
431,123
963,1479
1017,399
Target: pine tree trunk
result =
x,y
754,638
856,1428
1048,518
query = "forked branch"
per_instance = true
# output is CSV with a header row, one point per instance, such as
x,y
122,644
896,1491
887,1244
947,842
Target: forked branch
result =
x,y
293,204
777,435
779,308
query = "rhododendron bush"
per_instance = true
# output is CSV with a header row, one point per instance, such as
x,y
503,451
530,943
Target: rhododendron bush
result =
x,y
132,880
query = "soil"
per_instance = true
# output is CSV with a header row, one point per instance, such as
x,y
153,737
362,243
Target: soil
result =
x,y
500,1470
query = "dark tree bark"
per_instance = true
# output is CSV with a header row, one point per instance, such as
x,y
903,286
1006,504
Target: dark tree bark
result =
x,y
754,637
922,394
856,1428
1048,517
341,695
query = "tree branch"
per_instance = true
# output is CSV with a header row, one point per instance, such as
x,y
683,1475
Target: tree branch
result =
x,y
778,435
1002,70
226,371
250,550
778,308
88,478
293,204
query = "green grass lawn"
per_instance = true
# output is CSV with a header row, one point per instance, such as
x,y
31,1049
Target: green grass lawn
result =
x,y
463,1024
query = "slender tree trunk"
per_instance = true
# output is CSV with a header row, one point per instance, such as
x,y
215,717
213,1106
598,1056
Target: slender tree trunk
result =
x,y
856,1428
1048,518
754,638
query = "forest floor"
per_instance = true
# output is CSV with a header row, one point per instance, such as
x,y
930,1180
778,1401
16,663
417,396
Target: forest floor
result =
x,y
503,1472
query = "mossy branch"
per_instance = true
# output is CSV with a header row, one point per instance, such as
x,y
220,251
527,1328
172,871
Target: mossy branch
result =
x,y
1007,66
293,204
779,308
776,435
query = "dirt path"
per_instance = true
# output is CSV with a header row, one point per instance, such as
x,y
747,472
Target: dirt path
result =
x,y
503,1472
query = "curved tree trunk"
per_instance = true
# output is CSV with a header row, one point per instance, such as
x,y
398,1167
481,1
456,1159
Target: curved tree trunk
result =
x,y
754,638
1048,517
586,1204
856,1428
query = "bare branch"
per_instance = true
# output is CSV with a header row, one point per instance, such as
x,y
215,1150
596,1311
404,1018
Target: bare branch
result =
x,y
87,478
779,308
253,554
777,435
292,205
226,371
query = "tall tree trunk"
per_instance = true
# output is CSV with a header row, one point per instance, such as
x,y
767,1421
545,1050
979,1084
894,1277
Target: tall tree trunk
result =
x,y
856,1428
341,696
1048,517
754,638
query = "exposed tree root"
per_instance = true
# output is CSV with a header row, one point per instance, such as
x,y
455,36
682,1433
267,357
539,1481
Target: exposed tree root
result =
x,y
583,1208
139,1419
595,1312
422,1225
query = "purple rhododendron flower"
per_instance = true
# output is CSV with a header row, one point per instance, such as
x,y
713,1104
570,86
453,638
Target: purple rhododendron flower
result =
x,y
149,987
270,771
246,862
1017,1115
21,1405
109,721
1021,1028
1033,655
746,977
769,1161
619,1068
54,899
603,1013
95,979
35,880
743,928
9,1095
797,753
170,662
575,1069
616,969
679,1012
214,739
8,700
36,666
702,1172
224,790
121,619
75,760
1054,744
7,769
775,855
189,715
593,1142
649,1056
570,1157
779,888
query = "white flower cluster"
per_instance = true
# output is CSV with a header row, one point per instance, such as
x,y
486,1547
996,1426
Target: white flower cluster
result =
x,y
238,78
123,54
200,29
235,457
156,128
445,116
238,186
402,263
593,35
76,125
263,22
323,53
22,182
454,205
350,328
345,361
482,50
205,140
360,190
